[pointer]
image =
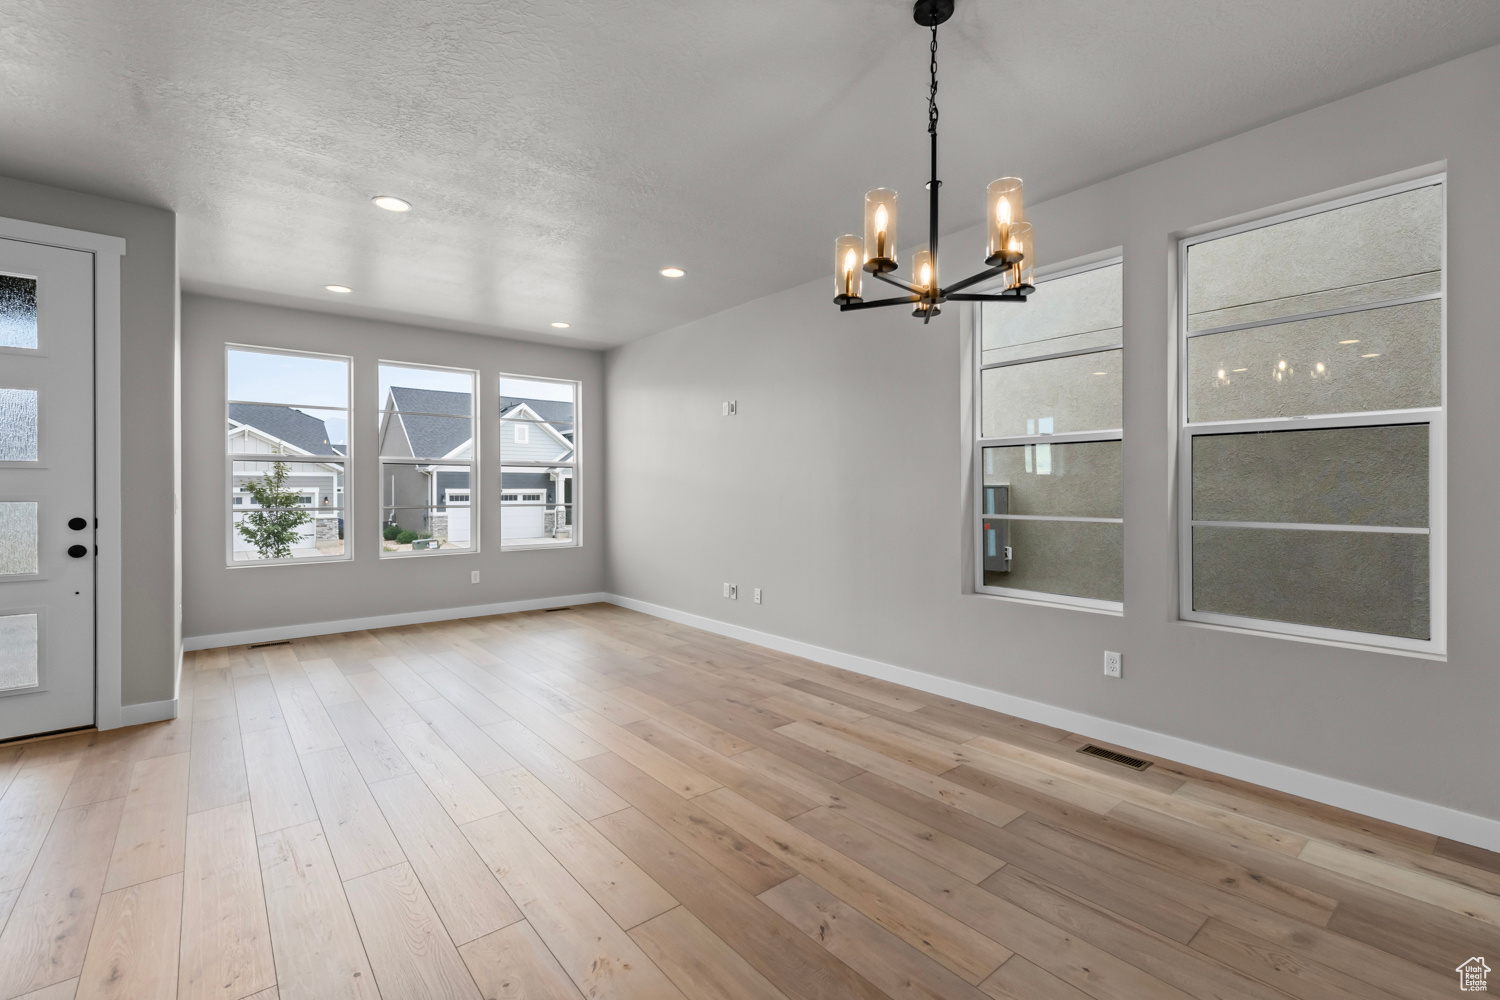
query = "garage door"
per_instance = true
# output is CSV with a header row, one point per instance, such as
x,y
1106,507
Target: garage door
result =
x,y
522,515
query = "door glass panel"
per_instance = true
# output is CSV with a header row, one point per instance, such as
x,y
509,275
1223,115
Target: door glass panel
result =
x,y
18,660
17,311
17,425
18,545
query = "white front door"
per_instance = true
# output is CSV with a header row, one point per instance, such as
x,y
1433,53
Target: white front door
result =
x,y
46,489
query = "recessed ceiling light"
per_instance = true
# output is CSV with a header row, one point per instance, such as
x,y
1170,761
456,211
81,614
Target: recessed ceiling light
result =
x,y
1348,342
1369,355
341,289
562,326
391,203
672,272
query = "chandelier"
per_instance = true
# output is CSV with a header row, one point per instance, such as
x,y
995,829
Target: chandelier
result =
x,y
1009,256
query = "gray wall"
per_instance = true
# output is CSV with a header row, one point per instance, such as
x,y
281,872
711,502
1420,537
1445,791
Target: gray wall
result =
x,y
857,532
221,599
148,330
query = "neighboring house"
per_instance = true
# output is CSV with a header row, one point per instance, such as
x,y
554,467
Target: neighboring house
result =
x,y
532,500
291,435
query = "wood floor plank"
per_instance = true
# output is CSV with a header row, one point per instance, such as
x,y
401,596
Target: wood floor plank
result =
x,y
1019,979
104,770
600,958
217,775
572,783
698,960
307,720
917,922
257,704
624,891
890,963
406,944
513,964
741,723
279,796
472,744
357,834
48,931
383,700
745,862
1291,973
770,795
462,793
462,695
685,723
26,811
406,681
319,955
226,943
330,683
59,991
371,747
670,771
152,836
466,895
775,948
1429,889
132,952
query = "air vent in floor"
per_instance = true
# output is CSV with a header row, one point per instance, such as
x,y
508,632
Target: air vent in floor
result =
x,y
1118,758
281,642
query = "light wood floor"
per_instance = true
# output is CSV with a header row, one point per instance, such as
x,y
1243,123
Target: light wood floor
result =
x,y
596,803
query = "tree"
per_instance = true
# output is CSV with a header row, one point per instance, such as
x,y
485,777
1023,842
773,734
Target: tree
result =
x,y
273,528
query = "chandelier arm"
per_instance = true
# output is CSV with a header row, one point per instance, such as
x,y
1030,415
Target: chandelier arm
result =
x,y
975,279
882,276
874,303
982,297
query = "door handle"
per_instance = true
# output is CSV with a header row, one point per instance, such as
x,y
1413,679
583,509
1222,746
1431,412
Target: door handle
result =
x,y
78,551
78,523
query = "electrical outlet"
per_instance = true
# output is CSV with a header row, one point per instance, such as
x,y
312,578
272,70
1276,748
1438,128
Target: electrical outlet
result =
x,y
1113,664
757,595
734,592
474,576
726,591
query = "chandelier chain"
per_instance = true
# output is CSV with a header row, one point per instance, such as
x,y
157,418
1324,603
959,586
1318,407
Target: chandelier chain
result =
x,y
932,108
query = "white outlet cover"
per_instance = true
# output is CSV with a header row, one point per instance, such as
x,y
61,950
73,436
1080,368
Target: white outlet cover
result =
x,y
726,590
757,595
474,576
1113,664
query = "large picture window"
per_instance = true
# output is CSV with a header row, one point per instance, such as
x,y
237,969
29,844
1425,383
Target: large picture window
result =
x,y
538,462
1312,424
287,454
427,455
1049,520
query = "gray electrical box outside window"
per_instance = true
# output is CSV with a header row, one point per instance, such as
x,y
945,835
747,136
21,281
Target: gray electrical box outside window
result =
x,y
996,541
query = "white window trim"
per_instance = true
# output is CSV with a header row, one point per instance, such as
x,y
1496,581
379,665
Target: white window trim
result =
x,y
472,462
1066,269
575,464
342,460
1434,417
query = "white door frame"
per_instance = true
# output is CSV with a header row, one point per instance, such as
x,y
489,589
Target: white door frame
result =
x,y
108,499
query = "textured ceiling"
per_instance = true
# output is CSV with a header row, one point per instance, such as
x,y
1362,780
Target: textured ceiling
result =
x,y
560,152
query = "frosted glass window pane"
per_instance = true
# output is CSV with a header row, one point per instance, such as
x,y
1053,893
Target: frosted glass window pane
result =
x,y
1359,581
1080,393
18,538
1071,558
1374,251
1344,475
18,658
1379,359
18,425
1064,314
1069,480
292,379
17,311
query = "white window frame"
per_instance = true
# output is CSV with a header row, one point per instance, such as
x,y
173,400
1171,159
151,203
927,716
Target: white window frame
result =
x,y
472,462
1434,417
1042,275
575,465
232,457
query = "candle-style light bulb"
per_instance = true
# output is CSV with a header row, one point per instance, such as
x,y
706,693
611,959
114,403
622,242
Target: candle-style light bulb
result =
x,y
882,220
849,265
1007,209
927,276
848,256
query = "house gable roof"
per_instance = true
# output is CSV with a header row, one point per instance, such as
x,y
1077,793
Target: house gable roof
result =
x,y
433,436
554,411
300,430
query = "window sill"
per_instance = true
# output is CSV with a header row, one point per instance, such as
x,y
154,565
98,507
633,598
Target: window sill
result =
x,y
1361,647
1042,601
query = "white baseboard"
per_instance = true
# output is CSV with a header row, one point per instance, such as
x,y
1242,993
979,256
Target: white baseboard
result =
x,y
146,711
279,632
1426,816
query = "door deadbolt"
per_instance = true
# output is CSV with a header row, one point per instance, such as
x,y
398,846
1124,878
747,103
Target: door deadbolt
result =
x,y
78,551
78,523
